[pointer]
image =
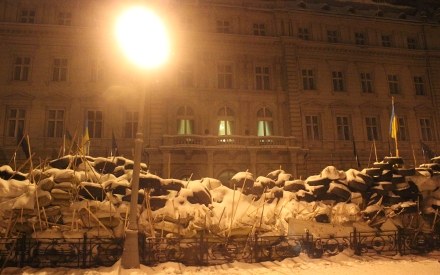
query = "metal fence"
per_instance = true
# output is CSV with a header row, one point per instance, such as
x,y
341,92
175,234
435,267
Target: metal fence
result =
x,y
207,249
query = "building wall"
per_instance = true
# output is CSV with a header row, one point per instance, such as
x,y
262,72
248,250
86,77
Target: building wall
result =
x,y
199,45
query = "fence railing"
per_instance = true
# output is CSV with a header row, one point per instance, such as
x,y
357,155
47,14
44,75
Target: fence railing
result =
x,y
206,249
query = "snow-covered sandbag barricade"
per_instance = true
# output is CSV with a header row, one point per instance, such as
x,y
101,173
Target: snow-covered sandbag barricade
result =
x,y
87,195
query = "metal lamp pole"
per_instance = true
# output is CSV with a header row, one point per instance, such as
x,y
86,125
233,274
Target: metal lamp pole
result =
x,y
130,254
144,39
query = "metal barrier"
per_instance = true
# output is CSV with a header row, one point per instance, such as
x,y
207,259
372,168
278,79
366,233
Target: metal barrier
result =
x,y
206,249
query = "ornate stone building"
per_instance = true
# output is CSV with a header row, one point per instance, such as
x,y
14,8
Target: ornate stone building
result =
x,y
251,85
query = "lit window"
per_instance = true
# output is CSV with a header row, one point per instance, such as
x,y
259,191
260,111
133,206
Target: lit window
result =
x,y
55,123
94,123
185,121
372,124
308,79
226,121
262,78
59,69
343,127
366,83
131,124
265,122
22,68
426,129
15,121
338,81
312,127
393,84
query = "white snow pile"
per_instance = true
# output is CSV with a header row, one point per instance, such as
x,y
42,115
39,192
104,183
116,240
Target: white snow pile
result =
x,y
76,195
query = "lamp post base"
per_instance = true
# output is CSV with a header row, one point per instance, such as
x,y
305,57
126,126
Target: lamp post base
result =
x,y
130,254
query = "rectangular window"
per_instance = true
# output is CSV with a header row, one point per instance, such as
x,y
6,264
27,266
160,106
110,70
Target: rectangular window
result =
x,y
338,81
332,36
224,74
262,78
372,127
259,29
411,43
15,121
359,38
131,124
223,26
303,33
55,123
225,128
386,40
187,76
64,18
22,65
393,84
27,16
402,129
264,128
426,129
308,79
312,127
95,123
366,83
59,69
343,127
185,127
419,85
97,70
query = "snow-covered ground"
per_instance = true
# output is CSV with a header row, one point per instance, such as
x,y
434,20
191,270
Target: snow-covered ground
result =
x,y
343,263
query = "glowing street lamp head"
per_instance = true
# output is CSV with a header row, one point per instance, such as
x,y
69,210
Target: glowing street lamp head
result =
x,y
143,37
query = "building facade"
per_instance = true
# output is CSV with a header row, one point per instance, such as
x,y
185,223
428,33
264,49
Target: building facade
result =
x,y
251,85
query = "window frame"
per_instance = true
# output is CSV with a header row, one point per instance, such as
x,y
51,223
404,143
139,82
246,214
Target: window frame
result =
x,y
338,81
60,69
262,77
312,127
95,123
24,69
15,121
54,124
372,128
343,127
308,77
225,72
131,124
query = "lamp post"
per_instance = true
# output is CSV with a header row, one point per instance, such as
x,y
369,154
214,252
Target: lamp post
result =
x,y
144,40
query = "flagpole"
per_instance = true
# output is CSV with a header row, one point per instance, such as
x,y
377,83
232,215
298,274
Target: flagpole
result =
x,y
394,126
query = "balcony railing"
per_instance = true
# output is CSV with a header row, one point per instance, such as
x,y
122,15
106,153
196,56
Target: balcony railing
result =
x,y
228,141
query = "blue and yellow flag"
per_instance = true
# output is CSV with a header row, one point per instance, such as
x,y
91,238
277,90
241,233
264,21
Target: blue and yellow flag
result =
x,y
393,122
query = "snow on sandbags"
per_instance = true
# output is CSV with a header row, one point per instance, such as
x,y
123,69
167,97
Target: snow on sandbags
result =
x,y
244,180
13,188
6,173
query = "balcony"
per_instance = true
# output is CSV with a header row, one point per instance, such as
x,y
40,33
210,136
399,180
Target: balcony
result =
x,y
198,141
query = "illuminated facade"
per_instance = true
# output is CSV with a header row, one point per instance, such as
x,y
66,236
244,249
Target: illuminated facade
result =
x,y
252,85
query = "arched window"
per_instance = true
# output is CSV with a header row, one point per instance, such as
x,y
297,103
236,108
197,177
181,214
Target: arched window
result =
x,y
264,122
226,121
185,121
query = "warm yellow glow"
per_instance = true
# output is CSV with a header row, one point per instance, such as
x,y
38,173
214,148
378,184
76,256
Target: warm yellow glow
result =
x,y
143,37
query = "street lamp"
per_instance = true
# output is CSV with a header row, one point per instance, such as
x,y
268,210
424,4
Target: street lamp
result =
x,y
144,40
